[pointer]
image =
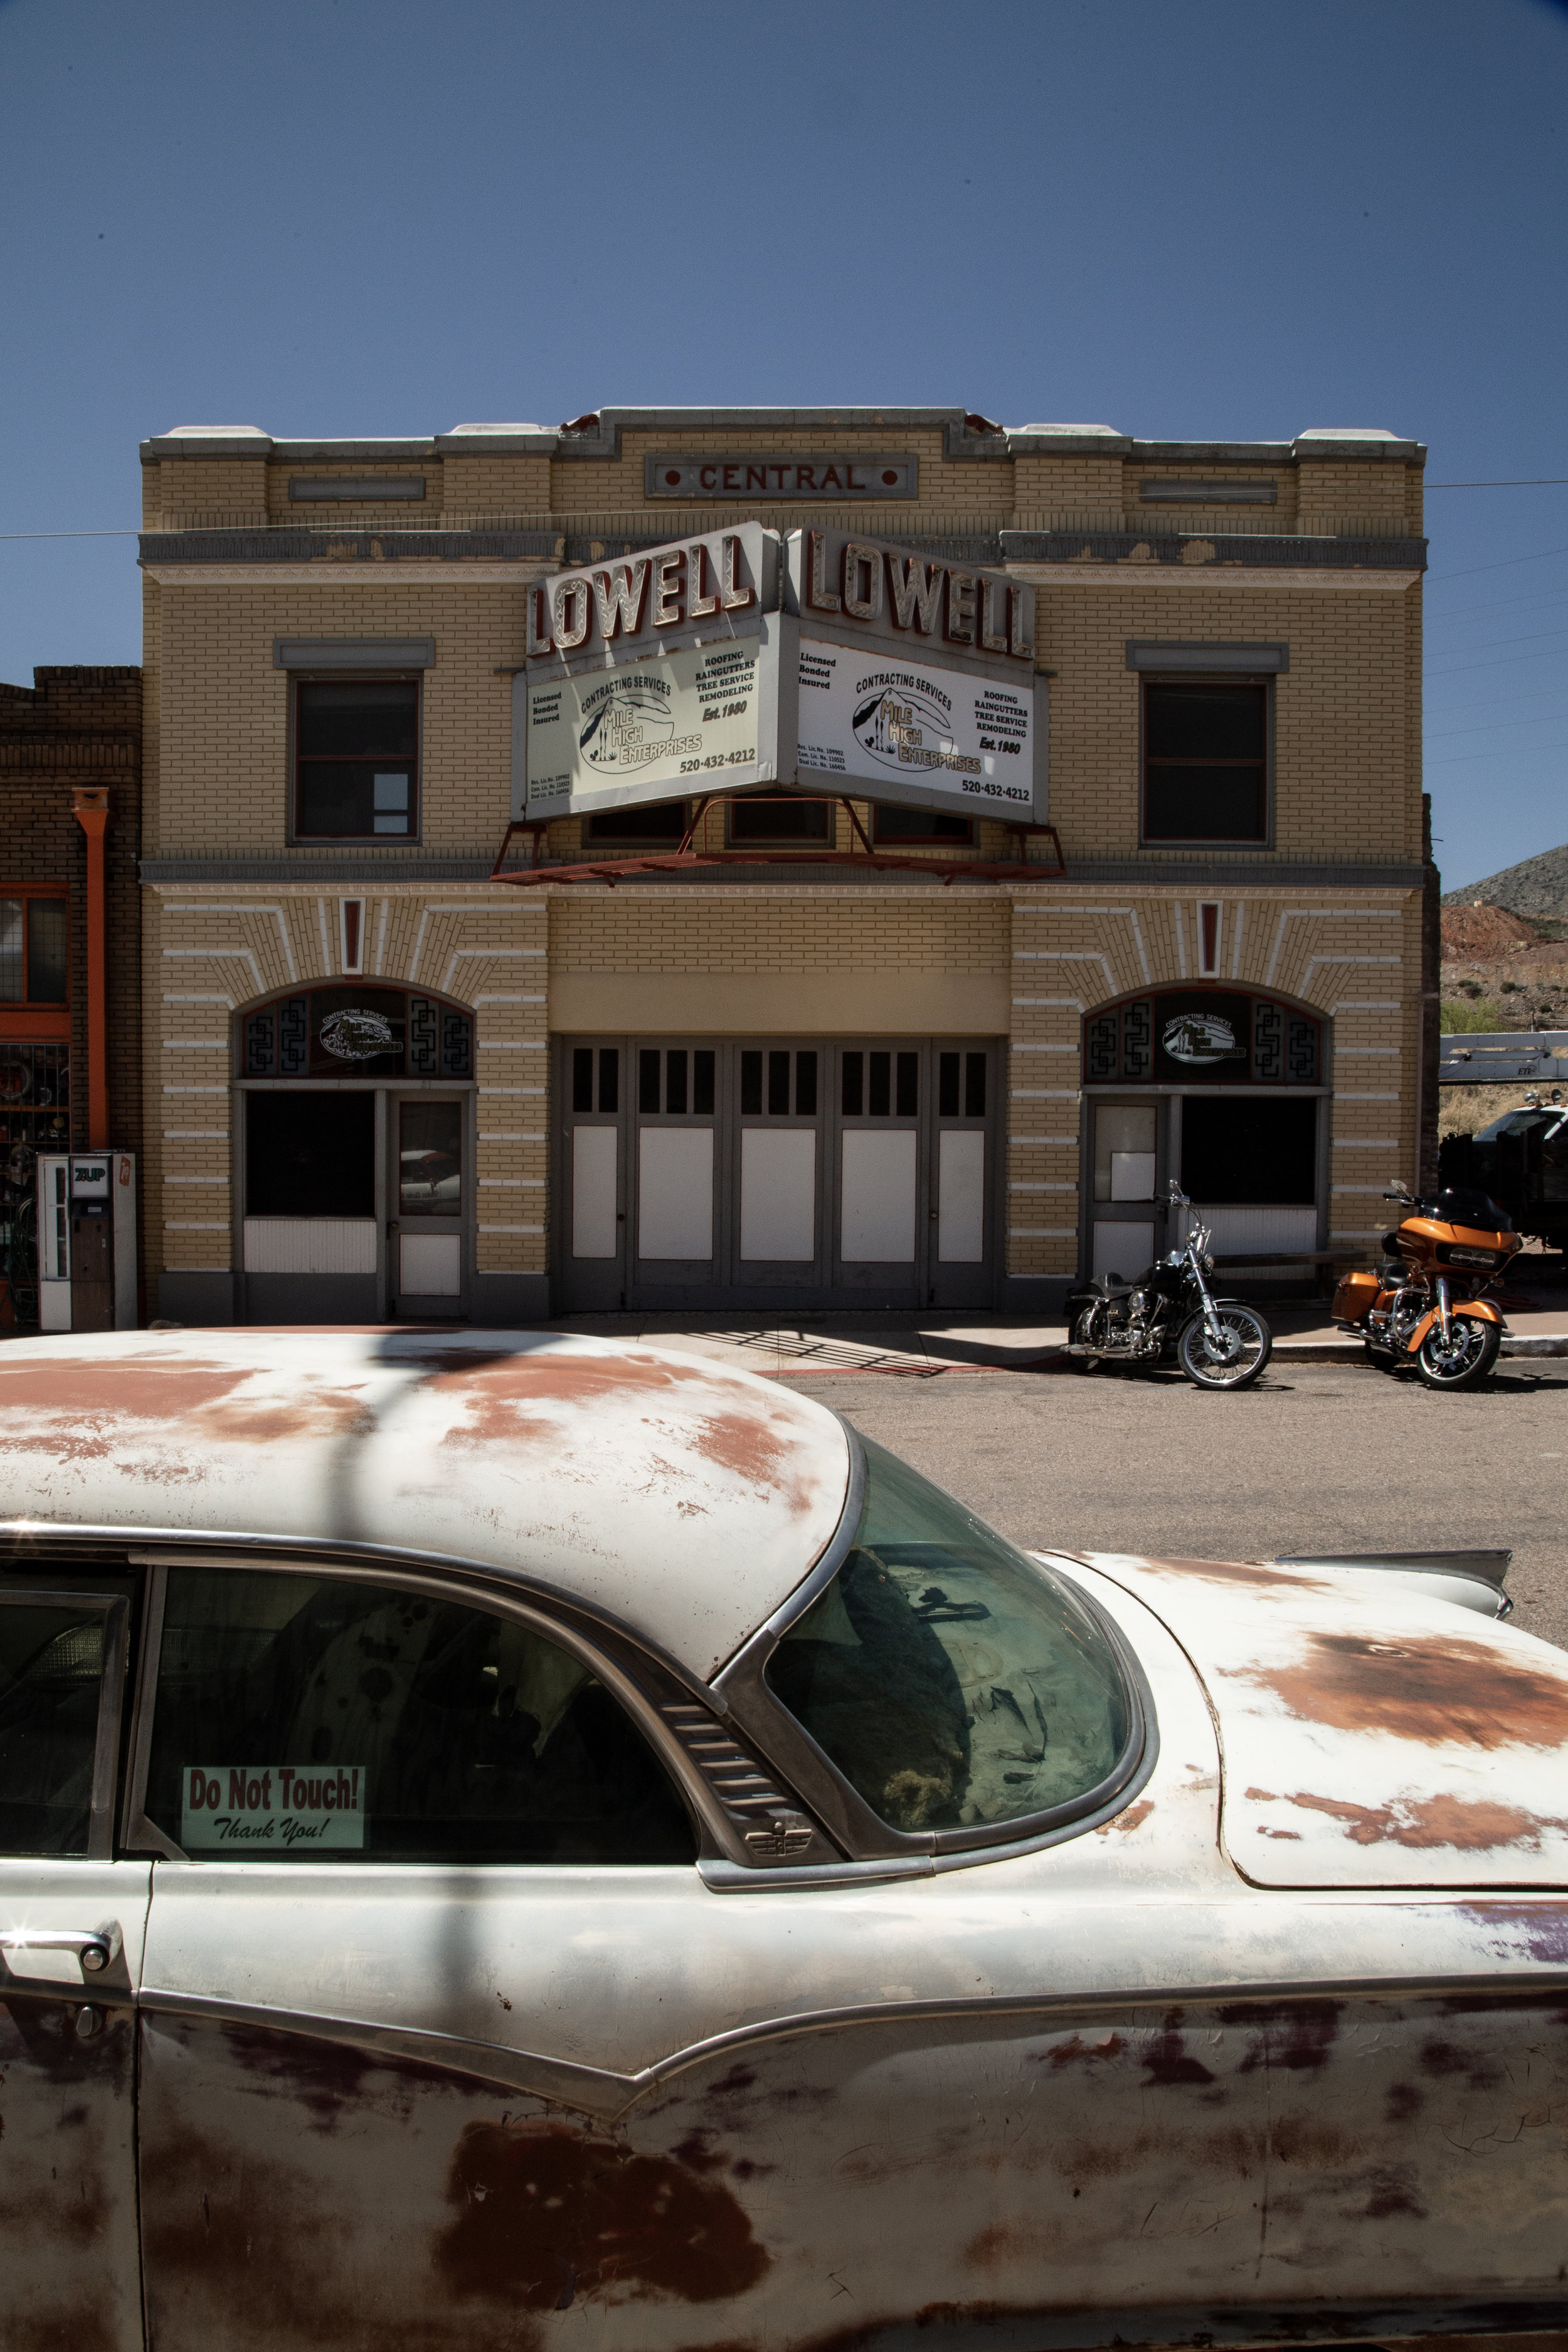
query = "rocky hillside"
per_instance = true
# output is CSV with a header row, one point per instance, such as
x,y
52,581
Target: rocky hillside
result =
x,y
1539,885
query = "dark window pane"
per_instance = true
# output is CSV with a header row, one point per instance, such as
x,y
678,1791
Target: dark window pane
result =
x,y
360,718
922,824
1206,805
354,797
582,1077
390,1727
665,822
702,1082
50,1661
1205,722
947,1086
853,1081
46,950
309,1154
675,1080
974,1085
806,1086
429,1158
750,1085
766,819
648,1079
778,1086
12,985
909,1085
609,1077
1241,1150
881,1101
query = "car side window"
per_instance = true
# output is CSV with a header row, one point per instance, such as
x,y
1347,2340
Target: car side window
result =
x,y
52,1652
303,1717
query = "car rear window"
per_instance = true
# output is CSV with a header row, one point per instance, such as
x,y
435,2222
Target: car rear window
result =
x,y
953,1681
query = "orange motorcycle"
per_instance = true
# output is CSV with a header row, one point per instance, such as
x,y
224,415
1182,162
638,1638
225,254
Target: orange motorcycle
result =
x,y
1425,1307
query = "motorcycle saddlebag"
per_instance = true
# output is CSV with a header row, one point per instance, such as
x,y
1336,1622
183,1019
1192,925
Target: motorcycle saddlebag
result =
x,y
1355,1294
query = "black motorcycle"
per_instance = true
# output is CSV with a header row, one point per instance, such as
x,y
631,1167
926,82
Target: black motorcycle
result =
x,y
1170,1311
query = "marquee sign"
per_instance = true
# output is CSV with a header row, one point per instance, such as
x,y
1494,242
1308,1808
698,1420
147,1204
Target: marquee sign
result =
x,y
916,677
730,659
658,675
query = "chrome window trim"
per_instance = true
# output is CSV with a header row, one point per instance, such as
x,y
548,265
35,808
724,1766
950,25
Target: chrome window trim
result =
x,y
116,1609
789,1748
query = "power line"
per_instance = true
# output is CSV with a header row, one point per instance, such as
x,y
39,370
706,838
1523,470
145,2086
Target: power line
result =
x,y
70,534
1519,482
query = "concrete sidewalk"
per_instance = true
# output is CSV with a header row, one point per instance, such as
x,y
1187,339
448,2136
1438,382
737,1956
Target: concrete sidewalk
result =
x,y
916,1346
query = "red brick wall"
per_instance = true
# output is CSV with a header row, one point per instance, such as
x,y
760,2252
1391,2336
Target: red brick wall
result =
x,y
82,726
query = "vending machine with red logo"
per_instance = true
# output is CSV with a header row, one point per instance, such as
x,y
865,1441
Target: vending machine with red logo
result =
x,y
87,1241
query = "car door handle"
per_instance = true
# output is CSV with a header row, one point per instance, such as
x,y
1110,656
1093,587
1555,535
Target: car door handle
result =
x,y
95,1947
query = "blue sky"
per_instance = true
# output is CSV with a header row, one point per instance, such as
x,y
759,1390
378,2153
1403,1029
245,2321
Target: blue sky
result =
x,y
1184,220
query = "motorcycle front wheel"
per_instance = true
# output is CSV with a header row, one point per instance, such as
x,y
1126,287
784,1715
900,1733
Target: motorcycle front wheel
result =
x,y
1464,1359
1236,1359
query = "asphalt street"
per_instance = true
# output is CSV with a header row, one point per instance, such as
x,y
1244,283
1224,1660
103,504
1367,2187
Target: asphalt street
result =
x,y
1313,1458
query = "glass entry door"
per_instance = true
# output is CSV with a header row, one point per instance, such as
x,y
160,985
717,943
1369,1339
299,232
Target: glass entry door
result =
x,y
427,1256
1129,1151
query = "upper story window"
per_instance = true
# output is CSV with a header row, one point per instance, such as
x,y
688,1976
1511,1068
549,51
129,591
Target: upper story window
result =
x,y
922,824
783,818
356,759
665,821
32,950
1205,761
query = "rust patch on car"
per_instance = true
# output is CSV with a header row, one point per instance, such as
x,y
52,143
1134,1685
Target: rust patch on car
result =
x,y
1295,2034
1469,1827
1134,1817
545,2216
1430,1687
1167,2063
1254,1573
1075,2052
142,1388
1542,1927
318,1414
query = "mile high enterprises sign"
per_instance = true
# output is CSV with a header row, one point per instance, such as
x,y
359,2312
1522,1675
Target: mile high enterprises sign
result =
x,y
733,661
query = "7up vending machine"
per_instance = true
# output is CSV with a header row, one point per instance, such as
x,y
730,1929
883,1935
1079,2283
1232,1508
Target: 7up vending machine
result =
x,y
87,1241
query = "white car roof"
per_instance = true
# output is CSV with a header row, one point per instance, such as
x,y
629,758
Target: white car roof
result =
x,y
684,1499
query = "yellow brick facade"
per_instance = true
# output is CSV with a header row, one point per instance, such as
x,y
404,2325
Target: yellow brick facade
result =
x,y
1326,915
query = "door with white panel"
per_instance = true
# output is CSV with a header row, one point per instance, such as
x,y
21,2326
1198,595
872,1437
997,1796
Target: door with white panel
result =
x,y
431,1160
780,1100
591,1184
961,1217
882,1206
675,1216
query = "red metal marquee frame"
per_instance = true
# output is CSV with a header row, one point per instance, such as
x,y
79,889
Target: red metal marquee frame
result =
x,y
611,870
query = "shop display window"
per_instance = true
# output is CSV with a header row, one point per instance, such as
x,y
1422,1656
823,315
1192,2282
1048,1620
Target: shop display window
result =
x,y
1205,761
356,759
610,828
779,819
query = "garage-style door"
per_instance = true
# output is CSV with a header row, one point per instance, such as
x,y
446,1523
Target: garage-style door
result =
x,y
776,1172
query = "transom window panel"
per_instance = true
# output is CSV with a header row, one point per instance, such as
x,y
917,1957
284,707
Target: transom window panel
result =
x,y
777,1082
584,1095
33,951
881,1086
678,1082
664,823
1203,1036
921,824
357,1032
1205,762
356,756
307,1718
961,1086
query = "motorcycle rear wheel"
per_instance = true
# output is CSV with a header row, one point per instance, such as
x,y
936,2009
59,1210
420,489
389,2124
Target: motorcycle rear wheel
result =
x,y
1244,1332
1463,1360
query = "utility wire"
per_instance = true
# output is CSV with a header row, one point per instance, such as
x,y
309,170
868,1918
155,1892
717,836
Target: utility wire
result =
x,y
70,534
1519,482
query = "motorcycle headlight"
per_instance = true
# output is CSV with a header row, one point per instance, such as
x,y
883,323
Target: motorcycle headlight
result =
x,y
1209,1265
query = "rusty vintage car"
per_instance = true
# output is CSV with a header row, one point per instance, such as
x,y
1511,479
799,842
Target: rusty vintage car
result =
x,y
516,1841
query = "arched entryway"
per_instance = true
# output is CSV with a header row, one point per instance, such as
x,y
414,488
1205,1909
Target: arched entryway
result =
x,y
1224,1088
354,1137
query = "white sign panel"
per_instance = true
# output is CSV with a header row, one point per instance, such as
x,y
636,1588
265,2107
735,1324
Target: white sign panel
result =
x,y
687,721
272,1809
916,730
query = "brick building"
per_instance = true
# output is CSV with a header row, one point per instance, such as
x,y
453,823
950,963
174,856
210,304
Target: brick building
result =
x,y
827,1018
70,915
